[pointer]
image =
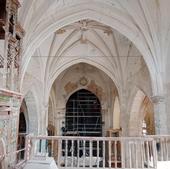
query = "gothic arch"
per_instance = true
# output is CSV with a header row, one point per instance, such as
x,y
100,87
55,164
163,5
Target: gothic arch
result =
x,y
116,20
138,112
81,88
76,61
134,121
23,109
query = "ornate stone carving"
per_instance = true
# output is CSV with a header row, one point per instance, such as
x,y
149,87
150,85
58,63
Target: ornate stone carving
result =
x,y
19,30
83,81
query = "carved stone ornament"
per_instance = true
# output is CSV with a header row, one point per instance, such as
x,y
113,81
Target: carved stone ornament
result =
x,y
83,81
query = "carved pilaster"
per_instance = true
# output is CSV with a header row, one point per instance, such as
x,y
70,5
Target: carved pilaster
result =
x,y
14,34
9,118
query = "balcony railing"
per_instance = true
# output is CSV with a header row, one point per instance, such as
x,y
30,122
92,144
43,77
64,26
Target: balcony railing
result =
x,y
98,152
162,147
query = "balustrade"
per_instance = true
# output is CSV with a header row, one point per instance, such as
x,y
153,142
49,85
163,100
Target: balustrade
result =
x,y
94,152
97,152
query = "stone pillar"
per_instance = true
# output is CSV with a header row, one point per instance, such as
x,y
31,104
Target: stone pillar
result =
x,y
124,116
160,115
44,124
44,119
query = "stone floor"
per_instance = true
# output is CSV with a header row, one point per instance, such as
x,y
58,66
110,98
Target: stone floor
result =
x,y
163,165
48,163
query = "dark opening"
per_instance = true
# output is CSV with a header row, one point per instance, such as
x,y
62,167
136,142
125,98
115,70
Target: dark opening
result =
x,y
22,135
83,114
22,123
83,118
11,24
2,18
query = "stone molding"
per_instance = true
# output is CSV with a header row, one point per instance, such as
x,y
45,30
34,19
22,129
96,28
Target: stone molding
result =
x,y
158,99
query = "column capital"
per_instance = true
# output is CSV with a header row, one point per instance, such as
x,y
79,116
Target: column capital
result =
x,y
158,99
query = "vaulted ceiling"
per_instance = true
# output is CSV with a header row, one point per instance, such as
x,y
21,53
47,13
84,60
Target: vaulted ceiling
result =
x,y
90,42
63,32
145,23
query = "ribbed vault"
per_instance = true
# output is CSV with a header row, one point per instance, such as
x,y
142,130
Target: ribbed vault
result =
x,y
133,19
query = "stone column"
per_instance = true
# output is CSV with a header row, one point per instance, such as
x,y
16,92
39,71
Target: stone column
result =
x,y
160,115
42,144
124,116
44,119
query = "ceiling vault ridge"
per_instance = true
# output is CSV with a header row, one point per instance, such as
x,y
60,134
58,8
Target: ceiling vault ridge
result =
x,y
92,24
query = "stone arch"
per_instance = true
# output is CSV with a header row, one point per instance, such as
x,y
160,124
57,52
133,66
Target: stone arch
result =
x,y
22,132
23,109
115,20
96,83
80,88
134,113
147,115
76,61
138,112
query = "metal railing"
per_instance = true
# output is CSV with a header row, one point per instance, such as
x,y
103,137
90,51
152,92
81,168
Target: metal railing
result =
x,y
98,152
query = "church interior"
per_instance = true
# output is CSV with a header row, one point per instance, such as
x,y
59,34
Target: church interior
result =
x,y
84,84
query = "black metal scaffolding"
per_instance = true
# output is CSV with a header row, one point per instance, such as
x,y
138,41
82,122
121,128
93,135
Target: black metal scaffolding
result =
x,y
83,114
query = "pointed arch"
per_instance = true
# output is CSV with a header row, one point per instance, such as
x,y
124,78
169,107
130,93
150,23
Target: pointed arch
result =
x,y
116,20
